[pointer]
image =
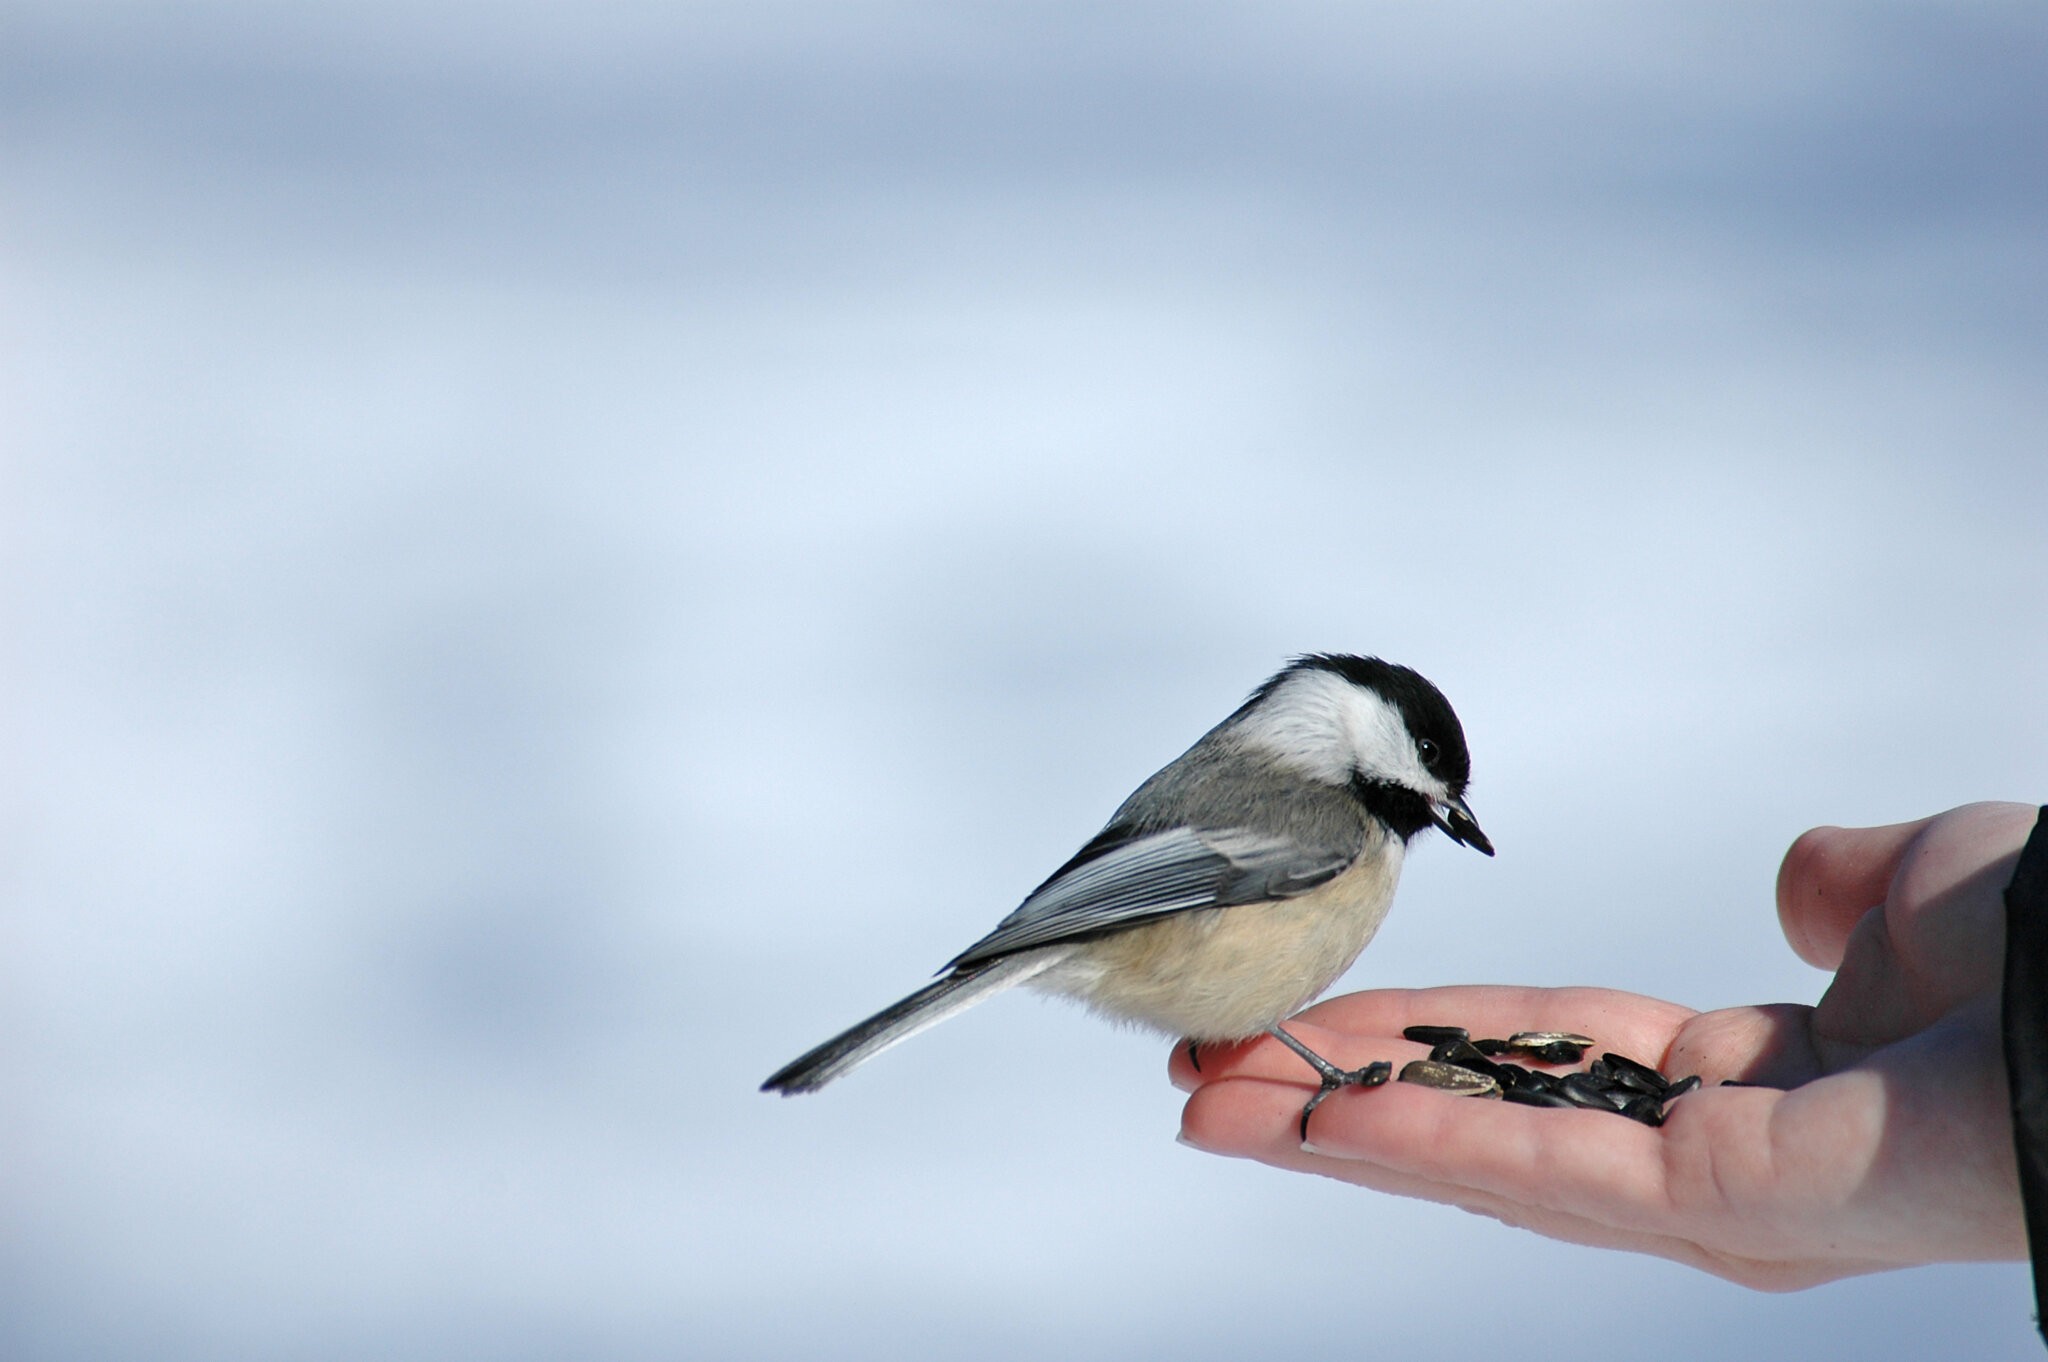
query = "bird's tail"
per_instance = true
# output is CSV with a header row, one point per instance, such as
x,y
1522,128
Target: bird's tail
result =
x,y
927,1007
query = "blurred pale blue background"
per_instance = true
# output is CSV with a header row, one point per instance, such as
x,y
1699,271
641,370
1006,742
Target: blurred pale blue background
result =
x,y
555,555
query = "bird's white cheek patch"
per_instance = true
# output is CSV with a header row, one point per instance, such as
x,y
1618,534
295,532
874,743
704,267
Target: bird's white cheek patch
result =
x,y
1325,727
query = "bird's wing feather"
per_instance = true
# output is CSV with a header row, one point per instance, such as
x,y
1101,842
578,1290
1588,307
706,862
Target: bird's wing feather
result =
x,y
1149,876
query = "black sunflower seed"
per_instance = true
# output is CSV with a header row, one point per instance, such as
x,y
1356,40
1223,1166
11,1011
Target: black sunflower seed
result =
x,y
1584,1091
1681,1087
1432,1073
1458,1052
1549,1047
1559,1052
1551,1038
1613,1082
1538,1097
1512,1075
1635,1076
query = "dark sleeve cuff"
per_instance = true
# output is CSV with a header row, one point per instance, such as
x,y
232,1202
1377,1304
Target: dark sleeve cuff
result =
x,y
2025,1024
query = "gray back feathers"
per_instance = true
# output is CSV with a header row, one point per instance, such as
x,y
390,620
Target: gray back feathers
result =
x,y
1223,824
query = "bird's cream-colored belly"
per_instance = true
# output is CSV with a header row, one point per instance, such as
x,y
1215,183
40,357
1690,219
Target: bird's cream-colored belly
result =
x,y
1227,973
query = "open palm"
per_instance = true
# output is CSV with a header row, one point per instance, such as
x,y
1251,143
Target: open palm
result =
x,y
1882,1140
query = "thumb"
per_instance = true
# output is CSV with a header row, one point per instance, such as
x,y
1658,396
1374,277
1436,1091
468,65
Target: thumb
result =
x,y
1830,878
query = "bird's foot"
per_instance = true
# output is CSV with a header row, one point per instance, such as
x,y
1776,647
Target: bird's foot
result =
x,y
1370,1076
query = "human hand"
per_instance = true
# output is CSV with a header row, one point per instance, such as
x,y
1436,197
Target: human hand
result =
x,y
1883,1140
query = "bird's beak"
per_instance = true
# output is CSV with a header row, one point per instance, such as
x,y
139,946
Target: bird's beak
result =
x,y
1459,825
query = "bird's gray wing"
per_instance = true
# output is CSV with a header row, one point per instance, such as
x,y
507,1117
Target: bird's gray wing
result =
x,y
1136,878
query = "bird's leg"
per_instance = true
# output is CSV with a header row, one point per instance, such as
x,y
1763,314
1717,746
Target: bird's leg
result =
x,y
1371,1076
1195,1054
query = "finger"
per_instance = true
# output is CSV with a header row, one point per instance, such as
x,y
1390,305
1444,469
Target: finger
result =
x,y
1238,1118
1830,878
1358,1028
1193,1063
1460,1145
1638,1026
1588,1177
1946,907
1940,937
1742,1173
1771,1044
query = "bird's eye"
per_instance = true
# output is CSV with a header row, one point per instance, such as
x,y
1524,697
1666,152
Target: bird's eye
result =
x,y
1428,751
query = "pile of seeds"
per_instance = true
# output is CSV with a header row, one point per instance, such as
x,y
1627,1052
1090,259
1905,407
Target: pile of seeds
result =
x,y
1479,1068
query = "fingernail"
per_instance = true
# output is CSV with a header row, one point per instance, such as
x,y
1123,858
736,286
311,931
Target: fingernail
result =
x,y
1181,1137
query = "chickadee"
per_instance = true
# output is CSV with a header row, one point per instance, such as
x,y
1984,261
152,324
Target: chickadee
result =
x,y
1235,885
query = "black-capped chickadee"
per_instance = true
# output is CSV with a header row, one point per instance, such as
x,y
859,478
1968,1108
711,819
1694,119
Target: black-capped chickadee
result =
x,y
1236,884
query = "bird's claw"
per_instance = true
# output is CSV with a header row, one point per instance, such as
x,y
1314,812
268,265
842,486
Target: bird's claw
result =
x,y
1371,1076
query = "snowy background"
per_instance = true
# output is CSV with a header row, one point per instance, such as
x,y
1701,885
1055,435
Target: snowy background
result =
x,y
553,556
